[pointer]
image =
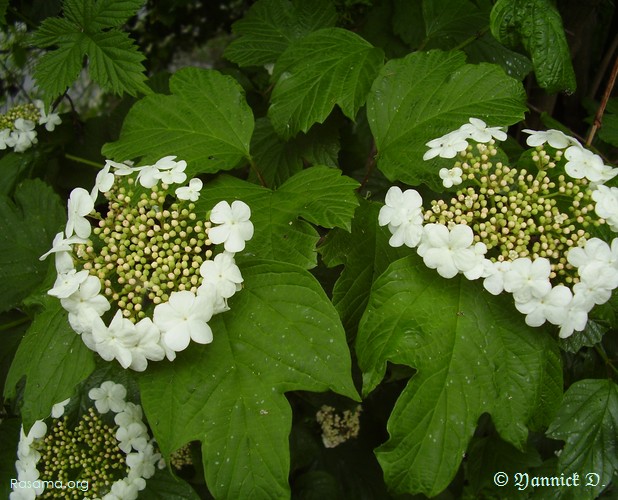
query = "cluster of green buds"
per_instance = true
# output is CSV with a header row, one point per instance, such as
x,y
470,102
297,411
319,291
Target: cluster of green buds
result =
x,y
104,452
146,280
337,428
534,230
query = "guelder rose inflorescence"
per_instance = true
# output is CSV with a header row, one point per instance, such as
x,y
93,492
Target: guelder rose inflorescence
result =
x,y
529,231
105,453
144,282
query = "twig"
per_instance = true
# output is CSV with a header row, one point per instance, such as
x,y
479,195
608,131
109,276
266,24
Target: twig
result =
x,y
599,116
79,159
370,164
257,172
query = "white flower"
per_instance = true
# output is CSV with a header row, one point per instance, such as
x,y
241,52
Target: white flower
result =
x,y
551,307
104,181
148,345
61,246
125,168
447,146
117,340
234,225
80,204
479,131
451,177
131,413
175,175
223,274
583,163
595,250
49,120
134,436
58,409
147,176
5,135
190,192
596,282
123,489
165,169
67,284
554,138
110,396
575,318
494,275
403,214
184,318
86,300
526,279
142,463
450,252
607,204
23,136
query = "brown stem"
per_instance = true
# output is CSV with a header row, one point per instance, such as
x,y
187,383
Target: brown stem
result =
x,y
599,116
369,165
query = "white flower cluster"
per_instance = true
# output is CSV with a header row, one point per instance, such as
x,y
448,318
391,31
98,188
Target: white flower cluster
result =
x,y
174,322
451,249
22,134
132,437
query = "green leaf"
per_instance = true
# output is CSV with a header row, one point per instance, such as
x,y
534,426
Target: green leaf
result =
x,y
473,354
278,160
114,60
319,195
9,437
425,95
588,423
270,26
4,4
536,26
281,334
330,66
13,167
27,228
366,254
450,22
206,122
609,129
488,49
53,358
165,486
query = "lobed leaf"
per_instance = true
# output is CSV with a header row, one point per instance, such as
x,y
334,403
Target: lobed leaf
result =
x,y
205,121
27,228
423,96
53,358
330,66
536,26
318,194
270,26
283,335
588,423
471,358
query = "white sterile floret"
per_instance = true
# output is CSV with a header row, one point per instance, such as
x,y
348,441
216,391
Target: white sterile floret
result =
x,y
58,409
5,135
551,306
109,396
234,225
584,163
123,489
80,204
174,175
222,274
554,138
132,437
103,183
86,300
451,177
184,318
62,249
596,282
447,146
124,168
594,250
23,135
403,215
131,413
575,317
526,279
450,251
479,131
190,192
147,176
494,275
117,340
66,284
50,120
142,463
607,205
148,346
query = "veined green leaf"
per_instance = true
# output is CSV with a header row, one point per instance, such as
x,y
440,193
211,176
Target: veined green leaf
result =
x,y
283,335
27,228
471,358
269,27
588,423
328,67
319,194
425,95
53,358
536,26
58,69
206,122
